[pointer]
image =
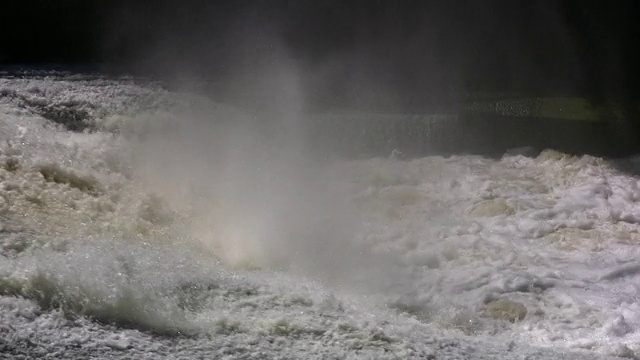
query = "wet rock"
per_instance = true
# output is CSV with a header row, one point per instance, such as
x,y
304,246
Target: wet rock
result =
x,y
11,164
493,207
505,309
550,154
59,175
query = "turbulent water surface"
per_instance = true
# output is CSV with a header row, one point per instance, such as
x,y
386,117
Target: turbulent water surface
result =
x,y
136,222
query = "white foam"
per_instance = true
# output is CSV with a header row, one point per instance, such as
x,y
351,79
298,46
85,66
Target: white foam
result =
x,y
553,246
383,257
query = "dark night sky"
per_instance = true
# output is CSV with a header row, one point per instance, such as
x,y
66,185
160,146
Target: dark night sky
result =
x,y
414,49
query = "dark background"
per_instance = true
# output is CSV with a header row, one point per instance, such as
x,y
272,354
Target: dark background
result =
x,y
372,53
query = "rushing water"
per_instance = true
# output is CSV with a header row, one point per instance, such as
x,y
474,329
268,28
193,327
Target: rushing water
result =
x,y
136,222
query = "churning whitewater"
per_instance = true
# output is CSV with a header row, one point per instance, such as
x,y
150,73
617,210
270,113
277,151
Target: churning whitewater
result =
x,y
147,223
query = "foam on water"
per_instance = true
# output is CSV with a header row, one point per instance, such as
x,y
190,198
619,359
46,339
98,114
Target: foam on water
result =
x,y
174,230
